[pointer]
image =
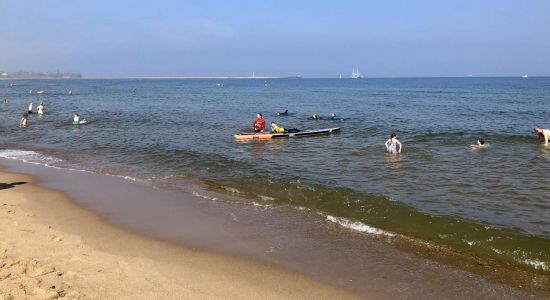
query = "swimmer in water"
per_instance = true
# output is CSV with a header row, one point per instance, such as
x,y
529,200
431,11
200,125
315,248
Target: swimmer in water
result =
x,y
40,108
543,133
333,117
24,122
480,143
284,113
392,143
315,117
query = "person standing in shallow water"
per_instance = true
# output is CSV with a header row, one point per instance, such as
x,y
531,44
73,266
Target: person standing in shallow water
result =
x,y
24,122
543,133
40,108
30,108
392,143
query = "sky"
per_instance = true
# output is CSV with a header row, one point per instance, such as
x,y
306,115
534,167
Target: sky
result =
x,y
276,38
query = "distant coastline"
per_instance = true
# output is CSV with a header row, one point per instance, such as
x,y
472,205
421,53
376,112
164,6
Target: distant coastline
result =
x,y
30,76
197,77
38,75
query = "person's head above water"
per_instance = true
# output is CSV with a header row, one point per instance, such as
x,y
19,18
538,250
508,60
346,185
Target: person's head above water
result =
x,y
278,114
480,141
314,116
333,114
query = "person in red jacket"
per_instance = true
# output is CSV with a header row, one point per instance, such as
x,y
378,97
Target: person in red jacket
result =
x,y
259,123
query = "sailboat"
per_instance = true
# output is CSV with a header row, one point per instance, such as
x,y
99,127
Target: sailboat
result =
x,y
355,74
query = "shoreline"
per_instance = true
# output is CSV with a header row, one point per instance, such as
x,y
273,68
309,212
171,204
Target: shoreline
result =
x,y
51,247
371,266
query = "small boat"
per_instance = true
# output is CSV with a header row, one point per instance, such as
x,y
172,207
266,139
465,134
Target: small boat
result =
x,y
355,74
40,92
247,136
525,76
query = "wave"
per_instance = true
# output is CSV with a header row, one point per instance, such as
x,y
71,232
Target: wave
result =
x,y
29,157
358,226
362,212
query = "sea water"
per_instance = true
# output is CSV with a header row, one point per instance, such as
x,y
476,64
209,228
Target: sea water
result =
x,y
492,201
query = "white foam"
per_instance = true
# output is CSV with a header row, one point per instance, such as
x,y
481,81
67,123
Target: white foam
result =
x,y
537,264
36,158
197,194
231,190
261,205
358,226
29,157
266,198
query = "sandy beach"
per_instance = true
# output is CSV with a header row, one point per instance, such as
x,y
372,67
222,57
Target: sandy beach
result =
x,y
51,248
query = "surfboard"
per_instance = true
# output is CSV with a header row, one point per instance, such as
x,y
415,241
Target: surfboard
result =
x,y
247,136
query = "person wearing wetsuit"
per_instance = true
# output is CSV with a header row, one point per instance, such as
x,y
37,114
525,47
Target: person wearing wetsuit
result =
x,y
259,123
392,143
278,129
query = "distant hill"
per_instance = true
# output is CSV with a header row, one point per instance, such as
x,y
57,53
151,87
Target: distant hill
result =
x,y
38,75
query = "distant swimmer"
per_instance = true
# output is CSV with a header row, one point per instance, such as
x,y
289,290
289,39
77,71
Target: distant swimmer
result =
x,y
392,143
278,129
314,117
24,122
30,108
333,117
259,123
70,92
543,133
480,143
284,113
40,108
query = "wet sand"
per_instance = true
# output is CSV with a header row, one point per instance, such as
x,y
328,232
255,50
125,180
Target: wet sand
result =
x,y
51,248
168,228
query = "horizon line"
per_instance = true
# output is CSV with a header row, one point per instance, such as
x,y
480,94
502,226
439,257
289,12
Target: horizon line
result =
x,y
264,77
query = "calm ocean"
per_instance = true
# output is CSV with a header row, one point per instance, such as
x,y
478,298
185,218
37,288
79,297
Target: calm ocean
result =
x,y
492,202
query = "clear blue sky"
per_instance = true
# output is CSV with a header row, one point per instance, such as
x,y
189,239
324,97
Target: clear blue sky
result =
x,y
311,38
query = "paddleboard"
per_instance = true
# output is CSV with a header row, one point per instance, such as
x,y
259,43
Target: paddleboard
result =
x,y
270,135
80,122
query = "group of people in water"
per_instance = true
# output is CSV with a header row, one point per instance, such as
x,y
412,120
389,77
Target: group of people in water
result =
x,y
393,145
24,121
